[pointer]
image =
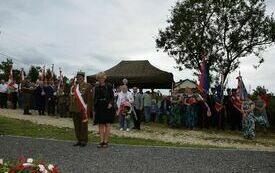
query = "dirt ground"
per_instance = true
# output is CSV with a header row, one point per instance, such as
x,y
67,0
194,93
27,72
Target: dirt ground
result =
x,y
160,132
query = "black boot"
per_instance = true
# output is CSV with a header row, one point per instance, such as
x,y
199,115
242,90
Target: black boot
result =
x,y
77,144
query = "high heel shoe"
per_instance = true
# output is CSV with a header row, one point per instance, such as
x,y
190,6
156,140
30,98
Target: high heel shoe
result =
x,y
105,145
100,145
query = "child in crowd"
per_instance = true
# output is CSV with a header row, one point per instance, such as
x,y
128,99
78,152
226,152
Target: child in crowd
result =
x,y
125,115
154,110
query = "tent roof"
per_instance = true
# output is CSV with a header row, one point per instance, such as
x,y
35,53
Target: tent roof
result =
x,y
138,73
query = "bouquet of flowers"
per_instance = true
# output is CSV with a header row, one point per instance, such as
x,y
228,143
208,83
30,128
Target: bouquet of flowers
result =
x,y
23,165
125,109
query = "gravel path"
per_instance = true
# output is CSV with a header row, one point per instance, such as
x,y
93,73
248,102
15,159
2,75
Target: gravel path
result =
x,y
118,158
160,133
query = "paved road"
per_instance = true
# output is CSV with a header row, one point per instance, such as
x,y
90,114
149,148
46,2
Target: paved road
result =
x,y
136,159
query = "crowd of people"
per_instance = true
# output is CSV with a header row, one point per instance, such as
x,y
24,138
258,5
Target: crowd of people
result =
x,y
193,110
189,109
45,97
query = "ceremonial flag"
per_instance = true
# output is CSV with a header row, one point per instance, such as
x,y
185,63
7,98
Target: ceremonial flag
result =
x,y
40,74
22,76
219,94
44,74
60,78
203,86
52,76
241,90
10,82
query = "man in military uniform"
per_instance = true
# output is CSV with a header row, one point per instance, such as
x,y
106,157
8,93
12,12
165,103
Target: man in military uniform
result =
x,y
27,91
80,122
61,101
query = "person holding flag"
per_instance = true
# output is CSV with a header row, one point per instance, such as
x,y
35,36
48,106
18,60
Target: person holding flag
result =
x,y
27,92
190,101
247,109
236,112
14,94
13,90
61,96
204,91
219,104
21,79
80,108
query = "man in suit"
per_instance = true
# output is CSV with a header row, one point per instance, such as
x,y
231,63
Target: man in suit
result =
x,y
51,97
40,97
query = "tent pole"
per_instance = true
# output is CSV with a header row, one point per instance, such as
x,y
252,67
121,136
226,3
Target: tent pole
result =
x,y
172,89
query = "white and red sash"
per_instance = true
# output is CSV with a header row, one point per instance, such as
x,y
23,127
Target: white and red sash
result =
x,y
81,103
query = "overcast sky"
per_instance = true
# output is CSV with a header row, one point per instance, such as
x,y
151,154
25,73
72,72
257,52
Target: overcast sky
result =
x,y
95,35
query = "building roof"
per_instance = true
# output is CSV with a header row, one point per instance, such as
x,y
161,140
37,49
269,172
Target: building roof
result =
x,y
183,84
186,82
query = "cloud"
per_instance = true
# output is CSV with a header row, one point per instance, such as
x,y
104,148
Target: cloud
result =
x,y
93,36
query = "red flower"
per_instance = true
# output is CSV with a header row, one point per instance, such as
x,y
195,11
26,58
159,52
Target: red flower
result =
x,y
55,169
19,167
21,159
35,171
16,168
42,162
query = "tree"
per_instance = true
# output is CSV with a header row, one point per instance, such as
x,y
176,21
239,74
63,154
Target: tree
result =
x,y
48,75
33,74
261,90
65,79
5,68
222,31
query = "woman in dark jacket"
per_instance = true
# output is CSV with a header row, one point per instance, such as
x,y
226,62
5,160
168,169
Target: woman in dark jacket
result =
x,y
103,108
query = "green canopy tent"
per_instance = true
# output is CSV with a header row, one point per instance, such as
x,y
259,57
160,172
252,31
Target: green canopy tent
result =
x,y
139,73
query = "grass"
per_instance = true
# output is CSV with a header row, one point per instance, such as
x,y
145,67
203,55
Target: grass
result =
x,y
25,128
15,127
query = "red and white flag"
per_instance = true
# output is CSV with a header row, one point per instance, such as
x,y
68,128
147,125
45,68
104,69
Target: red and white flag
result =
x,y
52,76
81,103
10,82
241,89
60,78
22,76
43,74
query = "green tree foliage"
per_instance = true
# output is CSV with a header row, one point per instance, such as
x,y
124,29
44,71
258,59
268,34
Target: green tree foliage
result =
x,y
5,67
48,75
261,90
33,74
65,79
223,31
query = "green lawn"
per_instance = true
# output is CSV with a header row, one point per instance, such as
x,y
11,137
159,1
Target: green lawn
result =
x,y
16,127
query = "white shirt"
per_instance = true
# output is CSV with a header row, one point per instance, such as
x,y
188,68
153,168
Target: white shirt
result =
x,y
128,96
4,88
14,88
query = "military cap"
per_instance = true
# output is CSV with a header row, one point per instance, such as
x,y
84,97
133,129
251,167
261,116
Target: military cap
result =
x,y
80,73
